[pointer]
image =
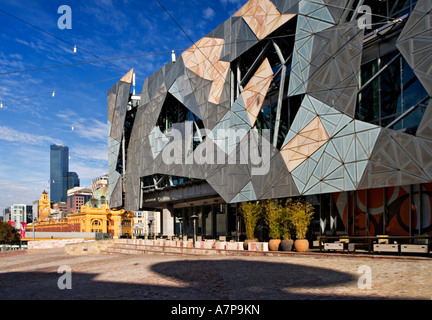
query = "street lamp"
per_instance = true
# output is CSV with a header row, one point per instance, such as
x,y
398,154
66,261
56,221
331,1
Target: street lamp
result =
x,y
181,231
33,226
194,219
150,222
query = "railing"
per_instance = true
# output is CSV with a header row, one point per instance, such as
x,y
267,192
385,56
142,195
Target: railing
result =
x,y
102,236
9,247
369,241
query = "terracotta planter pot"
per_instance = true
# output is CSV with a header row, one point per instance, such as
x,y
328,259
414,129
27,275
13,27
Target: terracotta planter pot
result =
x,y
301,245
245,243
274,244
286,245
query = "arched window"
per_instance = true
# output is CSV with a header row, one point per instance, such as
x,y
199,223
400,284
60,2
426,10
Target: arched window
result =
x,y
96,226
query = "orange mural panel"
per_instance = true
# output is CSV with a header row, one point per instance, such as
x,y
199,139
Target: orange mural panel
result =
x,y
262,17
398,203
304,144
254,92
203,59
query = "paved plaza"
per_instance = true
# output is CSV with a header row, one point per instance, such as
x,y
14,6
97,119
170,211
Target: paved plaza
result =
x,y
34,275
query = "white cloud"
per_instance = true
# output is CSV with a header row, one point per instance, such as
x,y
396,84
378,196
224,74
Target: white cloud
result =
x,y
12,135
231,6
91,129
91,152
234,2
12,62
39,46
20,193
208,13
106,13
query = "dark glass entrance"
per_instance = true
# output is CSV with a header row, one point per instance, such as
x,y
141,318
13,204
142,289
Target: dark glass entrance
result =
x,y
213,220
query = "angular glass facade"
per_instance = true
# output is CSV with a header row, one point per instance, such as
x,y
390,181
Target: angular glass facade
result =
x,y
285,99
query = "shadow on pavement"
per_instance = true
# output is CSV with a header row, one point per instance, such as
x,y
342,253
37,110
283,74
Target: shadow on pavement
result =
x,y
191,280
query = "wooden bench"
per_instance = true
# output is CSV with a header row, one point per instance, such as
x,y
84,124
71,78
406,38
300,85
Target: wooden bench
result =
x,y
336,246
414,248
380,247
380,243
353,246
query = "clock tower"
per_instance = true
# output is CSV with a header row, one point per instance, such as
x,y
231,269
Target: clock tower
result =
x,y
44,206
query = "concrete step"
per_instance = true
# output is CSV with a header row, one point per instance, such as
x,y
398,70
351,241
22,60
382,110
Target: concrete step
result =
x,y
151,249
138,251
132,248
122,247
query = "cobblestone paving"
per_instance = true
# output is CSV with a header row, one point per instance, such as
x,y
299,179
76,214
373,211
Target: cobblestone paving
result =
x,y
34,275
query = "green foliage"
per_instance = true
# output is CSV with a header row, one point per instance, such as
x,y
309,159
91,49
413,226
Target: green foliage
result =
x,y
251,212
8,234
283,221
300,216
274,216
288,229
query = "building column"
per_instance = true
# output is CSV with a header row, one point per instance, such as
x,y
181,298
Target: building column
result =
x,y
104,225
167,220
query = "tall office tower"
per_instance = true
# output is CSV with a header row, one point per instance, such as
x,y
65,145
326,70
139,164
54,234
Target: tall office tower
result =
x,y
59,168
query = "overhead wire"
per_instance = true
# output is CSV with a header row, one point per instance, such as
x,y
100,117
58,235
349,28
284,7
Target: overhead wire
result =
x,y
152,53
81,63
57,90
139,55
56,37
193,42
148,54
348,9
158,53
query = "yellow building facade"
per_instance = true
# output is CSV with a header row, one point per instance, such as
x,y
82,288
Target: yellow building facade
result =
x,y
102,219
94,216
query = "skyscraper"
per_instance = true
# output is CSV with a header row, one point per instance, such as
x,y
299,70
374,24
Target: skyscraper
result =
x,y
73,180
60,177
59,168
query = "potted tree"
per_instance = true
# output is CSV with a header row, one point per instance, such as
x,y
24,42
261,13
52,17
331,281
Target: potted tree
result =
x,y
274,218
251,212
301,216
288,229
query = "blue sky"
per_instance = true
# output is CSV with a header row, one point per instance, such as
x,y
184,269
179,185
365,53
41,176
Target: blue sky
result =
x,y
32,119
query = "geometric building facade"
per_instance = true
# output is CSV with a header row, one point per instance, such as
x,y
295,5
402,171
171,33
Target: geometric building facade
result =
x,y
285,99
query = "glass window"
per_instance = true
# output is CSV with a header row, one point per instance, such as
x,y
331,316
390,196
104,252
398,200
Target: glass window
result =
x,y
401,7
382,10
390,94
413,93
390,90
173,111
267,118
379,10
207,220
221,219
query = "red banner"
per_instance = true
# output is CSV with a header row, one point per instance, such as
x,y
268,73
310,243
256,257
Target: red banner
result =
x,y
12,223
23,229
